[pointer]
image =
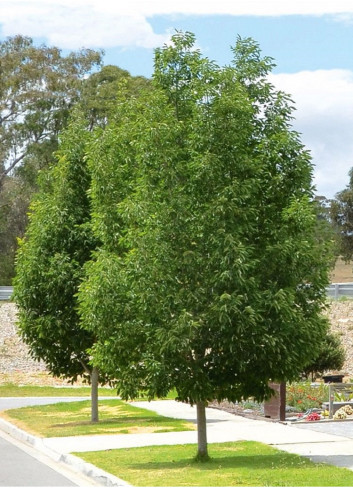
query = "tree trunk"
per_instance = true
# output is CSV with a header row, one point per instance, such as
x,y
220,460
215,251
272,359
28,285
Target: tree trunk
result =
x,y
202,453
94,395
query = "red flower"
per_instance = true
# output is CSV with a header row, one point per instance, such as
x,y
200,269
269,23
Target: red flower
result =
x,y
313,417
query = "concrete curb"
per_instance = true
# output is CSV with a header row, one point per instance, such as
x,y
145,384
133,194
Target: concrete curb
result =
x,y
75,463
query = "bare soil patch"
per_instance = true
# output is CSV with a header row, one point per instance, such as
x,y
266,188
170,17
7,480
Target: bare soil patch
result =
x,y
343,272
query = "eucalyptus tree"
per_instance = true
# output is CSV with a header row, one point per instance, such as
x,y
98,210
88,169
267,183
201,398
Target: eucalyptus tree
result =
x,y
38,87
341,213
101,92
210,278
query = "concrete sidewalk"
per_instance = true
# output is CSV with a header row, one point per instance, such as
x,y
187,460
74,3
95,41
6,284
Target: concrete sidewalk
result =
x,y
221,427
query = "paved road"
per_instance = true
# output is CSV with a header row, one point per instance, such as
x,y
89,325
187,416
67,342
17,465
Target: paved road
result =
x,y
19,467
24,466
17,402
340,428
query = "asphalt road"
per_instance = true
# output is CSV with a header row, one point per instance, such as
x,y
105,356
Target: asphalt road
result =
x,y
23,467
17,402
340,428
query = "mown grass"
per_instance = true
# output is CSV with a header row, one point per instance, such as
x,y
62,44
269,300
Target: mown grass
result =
x,y
13,390
73,418
231,464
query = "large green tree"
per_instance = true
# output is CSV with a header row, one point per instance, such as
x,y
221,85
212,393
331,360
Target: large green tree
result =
x,y
210,278
59,239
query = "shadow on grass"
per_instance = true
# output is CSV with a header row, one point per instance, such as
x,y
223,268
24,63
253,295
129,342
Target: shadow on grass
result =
x,y
253,462
124,421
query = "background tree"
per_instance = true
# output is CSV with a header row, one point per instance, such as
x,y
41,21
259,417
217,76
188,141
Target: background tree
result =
x,y
39,88
220,283
13,209
331,356
342,215
50,263
101,93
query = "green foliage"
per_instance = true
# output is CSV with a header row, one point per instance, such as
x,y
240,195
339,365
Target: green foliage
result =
x,y
102,91
342,216
15,195
330,357
38,86
210,278
50,262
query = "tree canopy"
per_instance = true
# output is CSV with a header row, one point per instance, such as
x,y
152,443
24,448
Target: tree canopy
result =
x,y
209,278
39,89
38,86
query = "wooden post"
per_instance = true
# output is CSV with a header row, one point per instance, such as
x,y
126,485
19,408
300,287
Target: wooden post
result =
x,y
275,407
94,395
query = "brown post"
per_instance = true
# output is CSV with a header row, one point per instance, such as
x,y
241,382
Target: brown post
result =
x,y
275,407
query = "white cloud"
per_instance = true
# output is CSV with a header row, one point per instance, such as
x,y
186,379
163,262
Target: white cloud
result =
x,y
324,99
73,25
204,7
324,117
107,23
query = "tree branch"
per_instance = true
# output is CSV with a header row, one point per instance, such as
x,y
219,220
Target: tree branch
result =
x,y
85,367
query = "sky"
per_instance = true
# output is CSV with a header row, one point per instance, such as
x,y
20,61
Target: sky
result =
x,y
311,42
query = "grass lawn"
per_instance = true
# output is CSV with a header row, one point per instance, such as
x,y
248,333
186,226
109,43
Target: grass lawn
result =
x,y
232,464
12,390
73,418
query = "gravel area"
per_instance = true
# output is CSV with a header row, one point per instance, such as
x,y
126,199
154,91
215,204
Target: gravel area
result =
x,y
14,354
340,314
16,365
